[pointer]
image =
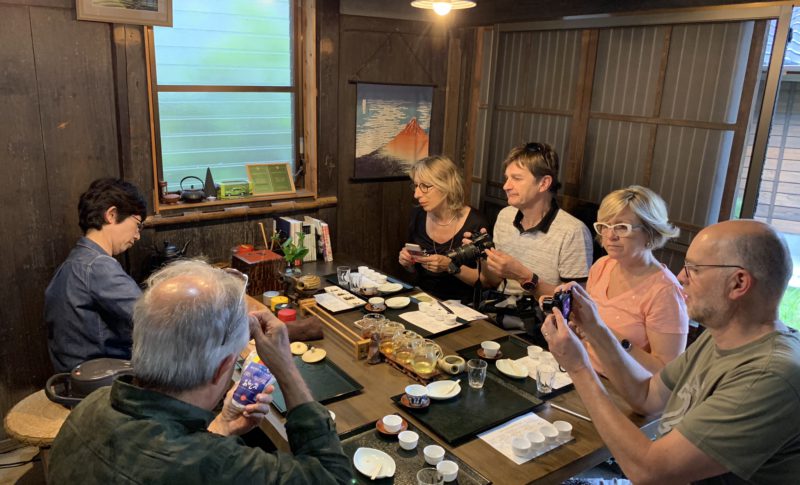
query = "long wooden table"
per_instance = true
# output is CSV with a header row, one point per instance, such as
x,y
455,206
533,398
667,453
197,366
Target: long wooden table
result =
x,y
381,381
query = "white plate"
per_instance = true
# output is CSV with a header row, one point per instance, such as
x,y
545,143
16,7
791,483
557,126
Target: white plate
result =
x,y
512,369
366,461
398,302
437,390
390,287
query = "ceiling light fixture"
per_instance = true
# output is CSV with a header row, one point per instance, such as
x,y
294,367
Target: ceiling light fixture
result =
x,y
443,7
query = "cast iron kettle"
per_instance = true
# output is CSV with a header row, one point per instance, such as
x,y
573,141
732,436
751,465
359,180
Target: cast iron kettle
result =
x,y
69,388
192,195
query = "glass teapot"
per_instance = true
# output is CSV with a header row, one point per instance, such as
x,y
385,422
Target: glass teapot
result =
x,y
425,357
404,344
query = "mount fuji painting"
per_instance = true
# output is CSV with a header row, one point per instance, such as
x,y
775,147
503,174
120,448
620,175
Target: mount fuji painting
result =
x,y
392,127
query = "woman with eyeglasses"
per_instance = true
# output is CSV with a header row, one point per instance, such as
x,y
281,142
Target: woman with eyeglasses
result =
x,y
638,298
437,226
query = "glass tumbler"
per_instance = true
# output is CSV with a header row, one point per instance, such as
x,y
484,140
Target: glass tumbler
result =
x,y
476,372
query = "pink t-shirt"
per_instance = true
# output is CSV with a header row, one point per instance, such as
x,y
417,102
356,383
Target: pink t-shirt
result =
x,y
655,305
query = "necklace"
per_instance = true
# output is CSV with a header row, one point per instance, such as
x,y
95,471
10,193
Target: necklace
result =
x,y
448,223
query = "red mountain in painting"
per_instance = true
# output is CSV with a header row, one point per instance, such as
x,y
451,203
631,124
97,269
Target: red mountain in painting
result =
x,y
410,145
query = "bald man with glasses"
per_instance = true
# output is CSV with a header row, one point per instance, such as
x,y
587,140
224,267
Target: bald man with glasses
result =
x,y
729,405
159,425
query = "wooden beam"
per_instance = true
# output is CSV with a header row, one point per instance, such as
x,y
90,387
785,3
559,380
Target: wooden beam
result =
x,y
662,75
240,211
575,165
749,87
308,72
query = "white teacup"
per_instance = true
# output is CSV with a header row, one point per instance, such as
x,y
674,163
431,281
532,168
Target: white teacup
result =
x,y
535,352
536,438
392,423
550,433
490,348
450,319
408,440
433,454
448,469
521,446
564,429
377,302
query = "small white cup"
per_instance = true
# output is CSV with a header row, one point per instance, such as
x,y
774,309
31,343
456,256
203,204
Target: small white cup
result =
x,y
521,446
490,348
380,279
424,307
448,469
433,454
536,438
377,301
392,423
408,440
564,429
535,352
550,433
450,319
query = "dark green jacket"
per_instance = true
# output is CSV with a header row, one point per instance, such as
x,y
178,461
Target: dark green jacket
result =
x,y
126,434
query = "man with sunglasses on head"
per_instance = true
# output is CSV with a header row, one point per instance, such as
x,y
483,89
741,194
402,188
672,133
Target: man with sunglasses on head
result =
x,y
729,404
158,426
538,245
89,302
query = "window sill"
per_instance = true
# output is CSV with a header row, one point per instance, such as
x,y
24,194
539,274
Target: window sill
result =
x,y
229,209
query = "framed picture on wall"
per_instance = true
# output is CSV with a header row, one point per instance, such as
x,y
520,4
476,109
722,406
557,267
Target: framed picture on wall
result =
x,y
140,12
393,123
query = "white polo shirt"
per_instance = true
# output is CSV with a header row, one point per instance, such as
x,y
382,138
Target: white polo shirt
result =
x,y
558,249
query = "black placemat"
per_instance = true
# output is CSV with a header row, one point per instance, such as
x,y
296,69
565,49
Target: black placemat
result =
x,y
334,280
408,462
327,382
512,348
473,411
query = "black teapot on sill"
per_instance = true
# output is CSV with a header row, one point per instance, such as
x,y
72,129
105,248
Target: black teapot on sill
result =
x,y
168,254
192,195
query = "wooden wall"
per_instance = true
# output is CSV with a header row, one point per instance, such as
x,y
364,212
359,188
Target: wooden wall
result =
x,y
373,217
74,99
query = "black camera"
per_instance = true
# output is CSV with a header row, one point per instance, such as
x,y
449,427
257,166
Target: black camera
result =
x,y
469,253
561,300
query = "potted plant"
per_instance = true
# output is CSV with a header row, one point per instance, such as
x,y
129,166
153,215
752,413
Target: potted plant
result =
x,y
294,254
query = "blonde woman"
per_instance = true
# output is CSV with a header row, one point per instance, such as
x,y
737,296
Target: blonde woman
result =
x,y
437,226
639,299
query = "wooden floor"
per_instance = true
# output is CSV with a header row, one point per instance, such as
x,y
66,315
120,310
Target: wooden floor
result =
x,y
29,474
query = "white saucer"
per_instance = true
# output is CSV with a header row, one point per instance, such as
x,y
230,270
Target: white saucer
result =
x,y
437,390
512,369
390,287
398,302
366,461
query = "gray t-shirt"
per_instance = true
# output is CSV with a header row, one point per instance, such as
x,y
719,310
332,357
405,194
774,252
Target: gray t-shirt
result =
x,y
740,406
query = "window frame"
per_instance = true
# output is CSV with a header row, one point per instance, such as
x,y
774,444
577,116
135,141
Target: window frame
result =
x,y
303,87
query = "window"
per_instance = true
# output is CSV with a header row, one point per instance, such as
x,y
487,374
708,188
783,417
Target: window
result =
x,y
225,83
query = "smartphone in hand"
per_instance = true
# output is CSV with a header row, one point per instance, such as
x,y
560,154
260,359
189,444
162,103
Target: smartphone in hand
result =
x,y
415,250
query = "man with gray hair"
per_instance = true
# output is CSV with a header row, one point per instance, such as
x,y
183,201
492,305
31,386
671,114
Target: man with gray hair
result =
x,y
158,427
729,404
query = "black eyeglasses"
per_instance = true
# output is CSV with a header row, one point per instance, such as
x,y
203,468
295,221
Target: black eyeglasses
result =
x,y
139,223
687,266
243,277
424,188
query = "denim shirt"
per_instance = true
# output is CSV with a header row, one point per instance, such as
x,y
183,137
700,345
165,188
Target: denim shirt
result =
x,y
126,434
88,307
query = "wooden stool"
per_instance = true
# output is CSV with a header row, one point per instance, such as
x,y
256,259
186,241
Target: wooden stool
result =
x,y
35,421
